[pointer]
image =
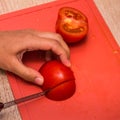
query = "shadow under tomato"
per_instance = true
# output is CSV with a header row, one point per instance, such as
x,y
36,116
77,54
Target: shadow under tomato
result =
x,y
83,41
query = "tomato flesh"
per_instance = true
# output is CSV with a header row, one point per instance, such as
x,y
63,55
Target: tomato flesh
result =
x,y
59,78
71,24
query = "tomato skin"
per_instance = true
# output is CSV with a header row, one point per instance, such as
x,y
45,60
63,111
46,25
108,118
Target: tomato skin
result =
x,y
58,77
71,24
62,91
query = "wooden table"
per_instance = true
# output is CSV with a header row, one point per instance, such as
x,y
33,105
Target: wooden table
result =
x,y
110,11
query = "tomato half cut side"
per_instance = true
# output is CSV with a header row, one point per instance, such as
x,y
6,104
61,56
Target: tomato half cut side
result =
x,y
72,24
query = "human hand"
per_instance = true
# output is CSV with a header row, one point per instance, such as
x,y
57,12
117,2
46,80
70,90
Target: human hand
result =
x,y
13,44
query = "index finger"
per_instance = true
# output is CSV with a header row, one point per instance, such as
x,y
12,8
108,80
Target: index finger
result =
x,y
40,43
52,35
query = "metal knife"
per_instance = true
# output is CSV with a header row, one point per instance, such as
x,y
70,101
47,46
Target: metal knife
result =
x,y
23,99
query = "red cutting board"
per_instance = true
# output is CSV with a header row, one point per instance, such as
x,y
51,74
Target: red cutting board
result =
x,y
95,62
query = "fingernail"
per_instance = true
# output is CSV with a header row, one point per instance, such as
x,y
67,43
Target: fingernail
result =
x,y
39,80
67,63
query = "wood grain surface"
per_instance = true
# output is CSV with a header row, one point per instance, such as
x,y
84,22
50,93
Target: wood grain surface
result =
x,y
110,11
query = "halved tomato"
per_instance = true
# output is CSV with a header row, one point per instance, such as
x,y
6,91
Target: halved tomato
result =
x,y
72,24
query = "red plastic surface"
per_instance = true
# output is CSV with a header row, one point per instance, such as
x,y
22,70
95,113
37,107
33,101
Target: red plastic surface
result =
x,y
95,62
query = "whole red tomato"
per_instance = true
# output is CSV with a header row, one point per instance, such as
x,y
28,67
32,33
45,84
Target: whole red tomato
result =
x,y
58,77
71,24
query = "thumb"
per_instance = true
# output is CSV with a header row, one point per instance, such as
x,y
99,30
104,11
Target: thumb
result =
x,y
27,73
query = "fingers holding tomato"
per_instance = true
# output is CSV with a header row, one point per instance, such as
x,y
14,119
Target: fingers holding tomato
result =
x,y
72,24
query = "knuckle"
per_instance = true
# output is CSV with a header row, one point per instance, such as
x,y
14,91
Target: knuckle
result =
x,y
55,44
28,36
59,36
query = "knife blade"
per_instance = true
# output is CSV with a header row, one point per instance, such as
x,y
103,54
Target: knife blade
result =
x,y
23,99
